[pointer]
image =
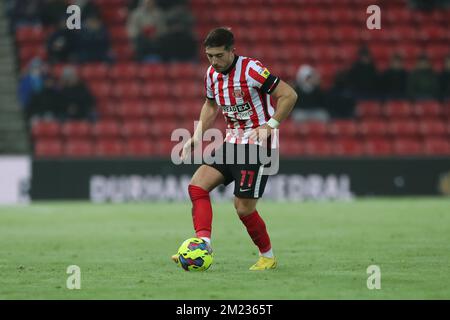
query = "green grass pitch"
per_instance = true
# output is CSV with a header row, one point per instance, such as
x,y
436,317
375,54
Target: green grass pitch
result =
x,y
323,250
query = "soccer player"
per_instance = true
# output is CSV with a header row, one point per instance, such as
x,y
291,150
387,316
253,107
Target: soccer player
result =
x,y
242,88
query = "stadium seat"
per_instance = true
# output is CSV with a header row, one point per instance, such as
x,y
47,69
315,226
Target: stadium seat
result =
x,y
407,147
109,148
317,147
313,129
378,147
46,129
153,72
94,71
368,109
347,147
131,109
48,148
428,109
437,146
398,109
404,128
106,129
126,90
433,128
343,128
123,72
291,147
79,148
139,148
76,129
373,128
135,129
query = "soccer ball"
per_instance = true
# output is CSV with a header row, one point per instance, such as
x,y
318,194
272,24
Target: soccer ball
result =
x,y
194,254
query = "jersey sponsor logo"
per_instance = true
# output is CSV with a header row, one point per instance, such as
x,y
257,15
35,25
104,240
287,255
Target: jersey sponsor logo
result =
x,y
239,112
237,108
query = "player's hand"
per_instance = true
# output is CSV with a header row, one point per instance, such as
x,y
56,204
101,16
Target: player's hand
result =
x,y
261,133
187,148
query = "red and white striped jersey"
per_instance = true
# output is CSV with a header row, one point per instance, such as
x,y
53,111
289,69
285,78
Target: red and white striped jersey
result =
x,y
243,94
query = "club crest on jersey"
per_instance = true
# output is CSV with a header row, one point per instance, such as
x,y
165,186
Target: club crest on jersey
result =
x,y
238,93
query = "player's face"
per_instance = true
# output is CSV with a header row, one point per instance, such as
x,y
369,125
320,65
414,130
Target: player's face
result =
x,y
220,58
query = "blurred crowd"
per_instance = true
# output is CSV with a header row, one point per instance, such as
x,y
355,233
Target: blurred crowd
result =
x,y
362,81
160,30
64,98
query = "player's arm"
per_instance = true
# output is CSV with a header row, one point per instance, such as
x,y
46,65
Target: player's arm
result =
x,y
208,115
286,98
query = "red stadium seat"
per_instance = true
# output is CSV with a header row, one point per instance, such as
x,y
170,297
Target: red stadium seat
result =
x,y
76,129
30,35
318,147
347,147
94,71
106,129
46,129
136,128
313,129
291,147
368,109
406,147
404,128
435,146
48,148
131,109
373,128
139,148
398,109
79,148
153,72
124,71
433,128
343,128
428,109
109,148
154,90
378,147
100,89
126,90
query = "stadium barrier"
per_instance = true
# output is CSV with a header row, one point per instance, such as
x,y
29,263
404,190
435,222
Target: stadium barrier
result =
x,y
121,180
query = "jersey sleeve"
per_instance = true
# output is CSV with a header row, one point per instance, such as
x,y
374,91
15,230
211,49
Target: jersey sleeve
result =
x,y
260,77
208,85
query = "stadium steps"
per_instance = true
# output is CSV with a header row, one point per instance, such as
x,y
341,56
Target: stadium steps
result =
x,y
13,133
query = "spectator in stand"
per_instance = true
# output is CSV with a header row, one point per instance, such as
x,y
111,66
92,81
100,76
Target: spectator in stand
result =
x,y
32,81
52,12
78,102
88,8
423,81
393,79
93,44
178,43
25,12
341,103
46,103
444,80
61,44
363,76
145,26
312,102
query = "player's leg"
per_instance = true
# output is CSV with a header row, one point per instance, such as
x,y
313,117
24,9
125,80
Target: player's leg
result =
x,y
205,179
256,228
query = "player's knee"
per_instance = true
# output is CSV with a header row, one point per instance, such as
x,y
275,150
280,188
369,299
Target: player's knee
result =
x,y
243,209
197,192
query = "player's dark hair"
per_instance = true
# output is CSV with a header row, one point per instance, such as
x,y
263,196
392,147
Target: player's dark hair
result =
x,y
220,37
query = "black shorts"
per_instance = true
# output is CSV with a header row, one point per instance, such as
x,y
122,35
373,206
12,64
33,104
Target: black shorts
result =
x,y
246,172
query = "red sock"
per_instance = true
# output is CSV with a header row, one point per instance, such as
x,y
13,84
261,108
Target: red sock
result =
x,y
256,228
201,211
